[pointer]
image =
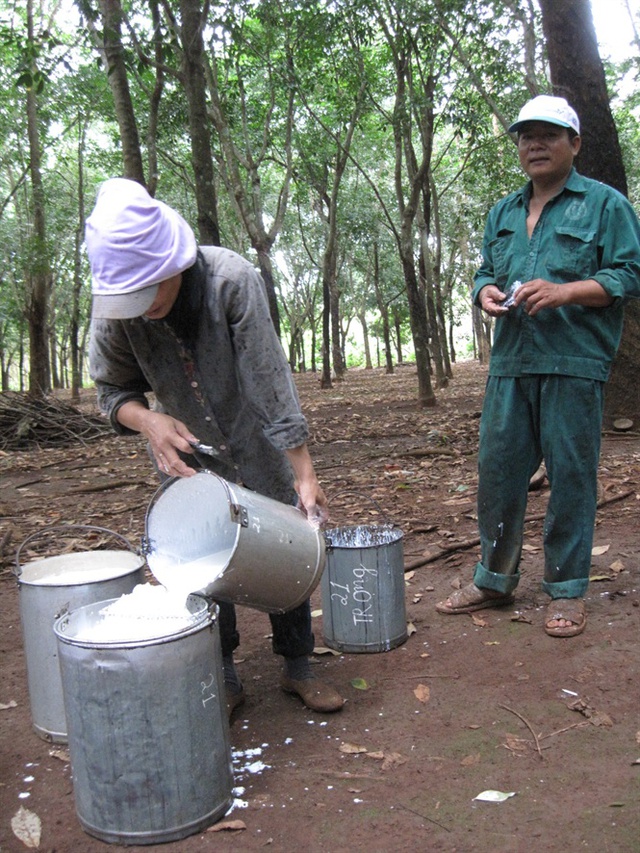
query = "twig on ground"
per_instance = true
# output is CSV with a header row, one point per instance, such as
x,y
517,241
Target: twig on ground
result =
x,y
565,729
424,817
394,677
471,543
527,724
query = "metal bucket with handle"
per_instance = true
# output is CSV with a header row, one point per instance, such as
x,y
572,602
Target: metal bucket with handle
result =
x,y
51,586
363,588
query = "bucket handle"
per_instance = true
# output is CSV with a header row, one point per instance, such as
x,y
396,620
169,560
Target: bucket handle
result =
x,y
65,527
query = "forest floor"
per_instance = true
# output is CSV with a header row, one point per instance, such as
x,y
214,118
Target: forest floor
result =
x,y
467,704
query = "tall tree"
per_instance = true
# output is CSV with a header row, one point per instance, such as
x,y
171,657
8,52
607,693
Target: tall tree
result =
x,y
577,74
193,78
112,51
39,273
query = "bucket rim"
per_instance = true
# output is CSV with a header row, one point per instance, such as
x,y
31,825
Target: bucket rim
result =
x,y
53,582
60,528
395,535
206,617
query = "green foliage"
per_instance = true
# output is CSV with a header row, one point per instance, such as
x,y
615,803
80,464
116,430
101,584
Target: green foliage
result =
x,y
305,60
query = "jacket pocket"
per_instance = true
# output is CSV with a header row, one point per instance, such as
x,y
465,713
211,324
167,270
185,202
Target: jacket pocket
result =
x,y
574,254
502,254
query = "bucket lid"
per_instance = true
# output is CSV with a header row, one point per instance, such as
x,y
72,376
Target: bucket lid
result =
x,y
191,531
80,567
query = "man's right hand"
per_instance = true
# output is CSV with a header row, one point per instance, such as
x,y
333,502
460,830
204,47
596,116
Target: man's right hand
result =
x,y
167,436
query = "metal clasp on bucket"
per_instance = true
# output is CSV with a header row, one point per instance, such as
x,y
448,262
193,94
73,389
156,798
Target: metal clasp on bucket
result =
x,y
239,514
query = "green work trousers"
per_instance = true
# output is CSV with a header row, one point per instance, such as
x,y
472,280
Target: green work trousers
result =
x,y
525,420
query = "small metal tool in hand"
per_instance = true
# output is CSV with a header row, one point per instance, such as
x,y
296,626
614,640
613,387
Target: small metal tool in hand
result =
x,y
207,449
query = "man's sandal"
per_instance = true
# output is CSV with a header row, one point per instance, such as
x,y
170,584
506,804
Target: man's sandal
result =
x,y
471,598
570,610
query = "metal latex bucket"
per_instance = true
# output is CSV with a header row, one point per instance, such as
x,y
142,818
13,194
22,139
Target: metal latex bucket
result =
x,y
204,534
48,588
148,729
363,599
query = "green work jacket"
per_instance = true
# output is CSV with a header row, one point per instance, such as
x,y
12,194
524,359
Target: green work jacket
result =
x,y
587,231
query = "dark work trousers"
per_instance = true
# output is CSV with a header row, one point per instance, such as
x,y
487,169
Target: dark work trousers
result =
x,y
525,420
292,636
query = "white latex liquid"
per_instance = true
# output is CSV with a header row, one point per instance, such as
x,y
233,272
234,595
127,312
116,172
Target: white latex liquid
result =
x,y
181,579
80,568
145,613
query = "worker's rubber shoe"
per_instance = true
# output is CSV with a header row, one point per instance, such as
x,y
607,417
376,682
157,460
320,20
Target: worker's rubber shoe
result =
x,y
316,694
235,698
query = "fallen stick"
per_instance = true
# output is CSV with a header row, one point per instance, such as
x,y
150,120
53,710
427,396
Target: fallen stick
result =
x,y
565,729
424,817
527,724
103,487
471,543
395,677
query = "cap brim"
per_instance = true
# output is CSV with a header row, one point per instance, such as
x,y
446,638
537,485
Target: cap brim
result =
x,y
123,306
515,127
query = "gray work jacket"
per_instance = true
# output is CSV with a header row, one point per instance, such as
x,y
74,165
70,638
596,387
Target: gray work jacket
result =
x,y
216,364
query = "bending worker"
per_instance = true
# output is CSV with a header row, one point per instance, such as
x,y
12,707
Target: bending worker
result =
x,y
191,324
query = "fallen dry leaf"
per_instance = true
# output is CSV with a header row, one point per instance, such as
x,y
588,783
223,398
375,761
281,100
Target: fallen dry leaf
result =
x,y
228,826
596,718
411,629
422,693
393,759
352,748
470,760
599,549
479,621
520,617
11,704
323,650
617,566
61,754
515,743
26,826
377,756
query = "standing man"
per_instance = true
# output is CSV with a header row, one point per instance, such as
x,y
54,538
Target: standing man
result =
x,y
191,324
571,246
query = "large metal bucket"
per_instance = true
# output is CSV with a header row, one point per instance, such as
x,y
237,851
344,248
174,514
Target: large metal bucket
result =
x,y
204,534
148,729
363,590
50,587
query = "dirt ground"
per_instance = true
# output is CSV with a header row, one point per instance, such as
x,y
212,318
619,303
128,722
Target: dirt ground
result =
x,y
465,705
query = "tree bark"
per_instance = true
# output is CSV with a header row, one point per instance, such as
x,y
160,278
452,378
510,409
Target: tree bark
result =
x,y
39,274
578,75
118,81
193,77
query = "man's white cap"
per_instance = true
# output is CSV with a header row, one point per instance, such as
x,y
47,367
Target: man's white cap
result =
x,y
134,242
550,109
